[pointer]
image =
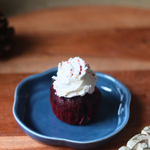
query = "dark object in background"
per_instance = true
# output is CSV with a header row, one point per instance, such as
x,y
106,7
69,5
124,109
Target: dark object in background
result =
x,y
6,36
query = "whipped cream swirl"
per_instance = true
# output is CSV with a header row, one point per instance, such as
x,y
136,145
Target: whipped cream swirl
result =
x,y
74,78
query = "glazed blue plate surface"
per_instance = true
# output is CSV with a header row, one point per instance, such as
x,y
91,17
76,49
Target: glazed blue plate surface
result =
x,y
33,113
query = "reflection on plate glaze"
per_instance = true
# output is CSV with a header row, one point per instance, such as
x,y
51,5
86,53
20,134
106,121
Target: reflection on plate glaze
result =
x,y
120,93
120,112
121,109
106,89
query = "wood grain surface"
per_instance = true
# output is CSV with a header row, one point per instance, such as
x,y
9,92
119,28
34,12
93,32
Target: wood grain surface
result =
x,y
112,37
12,137
113,40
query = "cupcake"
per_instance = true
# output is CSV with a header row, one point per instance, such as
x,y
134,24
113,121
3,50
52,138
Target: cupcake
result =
x,y
73,95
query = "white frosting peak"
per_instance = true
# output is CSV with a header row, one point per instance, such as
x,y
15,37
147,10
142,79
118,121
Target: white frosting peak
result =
x,y
74,78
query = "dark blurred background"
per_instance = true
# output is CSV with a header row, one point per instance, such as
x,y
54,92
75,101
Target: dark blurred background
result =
x,y
13,7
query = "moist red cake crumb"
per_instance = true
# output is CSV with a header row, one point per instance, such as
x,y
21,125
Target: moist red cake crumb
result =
x,y
75,110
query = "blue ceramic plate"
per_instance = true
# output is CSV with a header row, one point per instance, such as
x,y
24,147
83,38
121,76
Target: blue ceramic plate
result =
x,y
33,113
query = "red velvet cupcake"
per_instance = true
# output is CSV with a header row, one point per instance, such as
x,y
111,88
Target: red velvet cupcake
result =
x,y
74,97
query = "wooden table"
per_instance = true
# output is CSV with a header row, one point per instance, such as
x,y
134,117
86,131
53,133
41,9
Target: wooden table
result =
x,y
113,40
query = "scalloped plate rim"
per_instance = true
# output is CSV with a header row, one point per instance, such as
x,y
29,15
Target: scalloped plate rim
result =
x,y
21,124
